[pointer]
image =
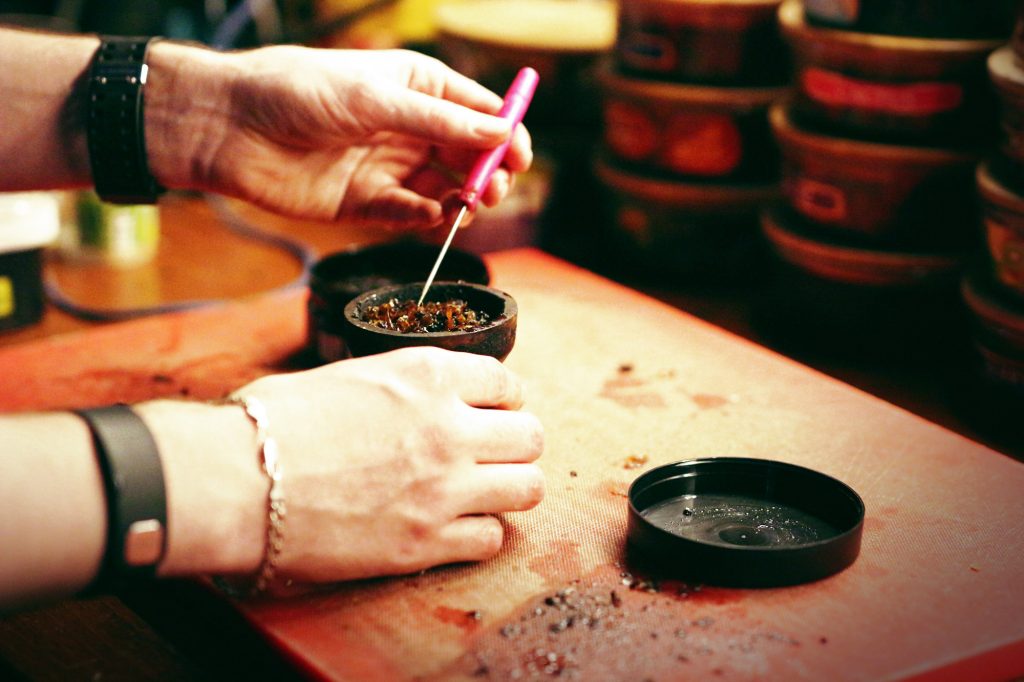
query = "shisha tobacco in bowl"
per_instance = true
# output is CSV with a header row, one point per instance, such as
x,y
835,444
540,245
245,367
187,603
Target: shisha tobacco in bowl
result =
x,y
431,316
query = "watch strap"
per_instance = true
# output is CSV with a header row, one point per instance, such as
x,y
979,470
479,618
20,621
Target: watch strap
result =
x,y
134,485
115,122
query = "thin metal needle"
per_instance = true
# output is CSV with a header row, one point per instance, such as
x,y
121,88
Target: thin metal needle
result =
x,y
440,256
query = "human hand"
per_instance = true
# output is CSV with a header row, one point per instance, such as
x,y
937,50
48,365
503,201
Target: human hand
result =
x,y
367,137
395,463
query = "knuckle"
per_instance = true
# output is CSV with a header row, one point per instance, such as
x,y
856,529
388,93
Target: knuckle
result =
x,y
424,362
411,547
495,375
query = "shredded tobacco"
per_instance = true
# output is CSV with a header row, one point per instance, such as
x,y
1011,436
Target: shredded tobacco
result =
x,y
433,316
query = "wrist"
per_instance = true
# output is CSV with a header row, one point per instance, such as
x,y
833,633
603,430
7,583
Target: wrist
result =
x,y
216,494
187,112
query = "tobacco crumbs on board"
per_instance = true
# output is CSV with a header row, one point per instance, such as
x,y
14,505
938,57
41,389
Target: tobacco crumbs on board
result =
x,y
634,462
433,316
617,625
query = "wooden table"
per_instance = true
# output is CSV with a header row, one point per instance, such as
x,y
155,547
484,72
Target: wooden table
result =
x,y
929,595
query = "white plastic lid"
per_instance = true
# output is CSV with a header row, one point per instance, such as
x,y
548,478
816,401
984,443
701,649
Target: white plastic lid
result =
x,y
28,220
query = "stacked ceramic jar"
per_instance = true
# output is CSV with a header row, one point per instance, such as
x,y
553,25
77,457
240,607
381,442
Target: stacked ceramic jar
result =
x,y
994,288
687,160
891,112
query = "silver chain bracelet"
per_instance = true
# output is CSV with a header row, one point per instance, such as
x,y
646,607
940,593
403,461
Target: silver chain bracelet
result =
x,y
267,447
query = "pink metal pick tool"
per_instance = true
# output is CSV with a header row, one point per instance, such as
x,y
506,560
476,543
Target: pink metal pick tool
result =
x,y
517,101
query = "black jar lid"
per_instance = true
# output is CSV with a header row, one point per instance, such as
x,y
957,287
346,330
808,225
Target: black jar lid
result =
x,y
743,522
339,277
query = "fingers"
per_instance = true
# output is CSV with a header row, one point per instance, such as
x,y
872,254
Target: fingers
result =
x,y
460,160
447,124
501,436
477,380
498,188
494,488
482,381
468,92
439,121
497,488
520,153
452,206
470,538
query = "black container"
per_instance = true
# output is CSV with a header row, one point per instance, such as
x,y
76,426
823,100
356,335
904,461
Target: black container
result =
x,y
29,222
682,232
922,18
495,339
1006,70
339,277
1017,39
990,394
21,288
828,298
743,522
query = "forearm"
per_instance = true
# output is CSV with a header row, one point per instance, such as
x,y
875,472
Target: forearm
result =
x,y
53,519
42,137
43,108
52,508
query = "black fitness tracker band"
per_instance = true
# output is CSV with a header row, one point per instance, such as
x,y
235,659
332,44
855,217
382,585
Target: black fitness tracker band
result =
x,y
115,122
136,500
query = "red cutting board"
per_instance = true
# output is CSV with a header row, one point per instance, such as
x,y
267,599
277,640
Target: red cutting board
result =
x,y
937,592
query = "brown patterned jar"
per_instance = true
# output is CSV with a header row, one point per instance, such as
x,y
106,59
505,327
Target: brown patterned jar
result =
x,y
733,42
919,197
683,231
887,87
1003,217
690,131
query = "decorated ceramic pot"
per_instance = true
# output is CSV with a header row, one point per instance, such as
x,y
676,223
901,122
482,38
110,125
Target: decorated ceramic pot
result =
x,y
690,131
880,193
1003,217
674,230
889,87
734,42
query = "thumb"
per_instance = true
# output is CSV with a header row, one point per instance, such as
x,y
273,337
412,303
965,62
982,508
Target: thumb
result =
x,y
439,121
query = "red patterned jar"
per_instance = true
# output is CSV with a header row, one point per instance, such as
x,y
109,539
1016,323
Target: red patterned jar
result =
x,y
733,42
888,87
1003,215
689,130
919,197
998,332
